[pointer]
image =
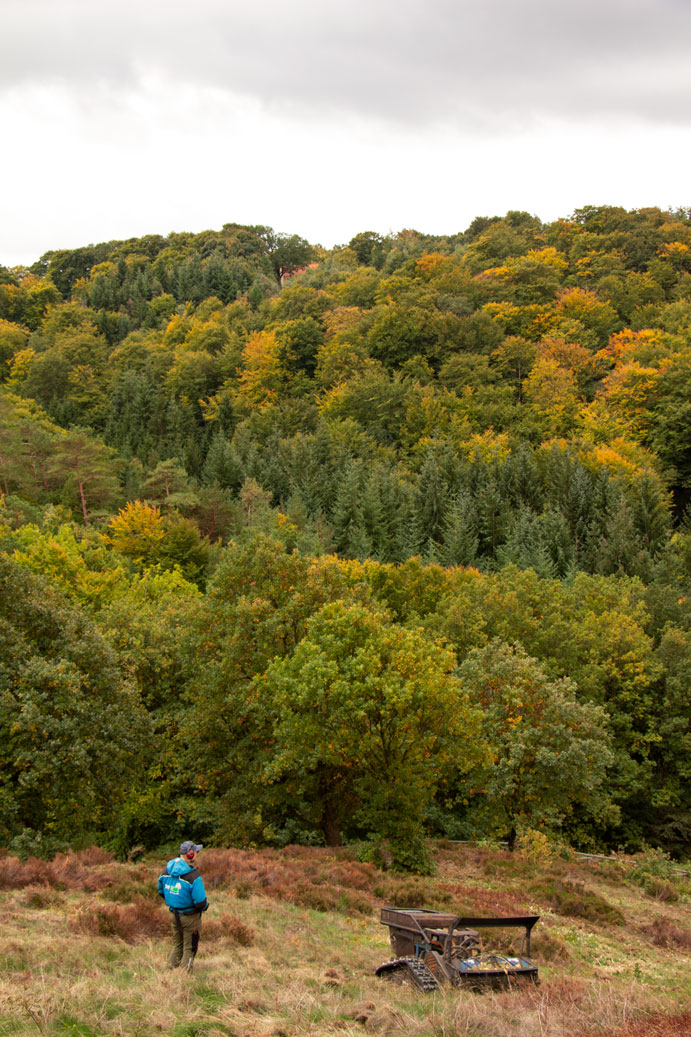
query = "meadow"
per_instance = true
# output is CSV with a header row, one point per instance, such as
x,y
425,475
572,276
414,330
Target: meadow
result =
x,y
292,939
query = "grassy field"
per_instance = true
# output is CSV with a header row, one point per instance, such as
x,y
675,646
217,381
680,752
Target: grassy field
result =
x,y
292,939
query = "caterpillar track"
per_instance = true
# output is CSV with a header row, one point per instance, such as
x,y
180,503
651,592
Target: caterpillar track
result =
x,y
411,969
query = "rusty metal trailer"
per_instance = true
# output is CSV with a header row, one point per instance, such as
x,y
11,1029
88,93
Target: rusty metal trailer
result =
x,y
436,947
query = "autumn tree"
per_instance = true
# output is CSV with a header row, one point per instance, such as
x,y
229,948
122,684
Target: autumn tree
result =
x,y
550,752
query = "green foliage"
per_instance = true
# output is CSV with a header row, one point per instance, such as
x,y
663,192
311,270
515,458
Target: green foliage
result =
x,y
368,719
650,867
72,728
490,429
550,752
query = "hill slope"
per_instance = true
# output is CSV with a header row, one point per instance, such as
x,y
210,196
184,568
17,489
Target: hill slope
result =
x,y
292,939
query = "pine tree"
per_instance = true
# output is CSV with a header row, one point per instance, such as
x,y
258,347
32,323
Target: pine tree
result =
x,y
460,539
525,546
373,515
347,519
651,512
222,466
493,515
431,500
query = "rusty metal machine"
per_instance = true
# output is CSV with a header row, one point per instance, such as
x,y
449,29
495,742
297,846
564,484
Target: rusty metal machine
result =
x,y
433,947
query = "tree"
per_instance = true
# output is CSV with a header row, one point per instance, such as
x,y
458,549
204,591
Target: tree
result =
x,y
368,247
72,729
262,376
140,532
76,561
288,253
168,485
84,465
13,339
147,623
255,611
550,752
367,720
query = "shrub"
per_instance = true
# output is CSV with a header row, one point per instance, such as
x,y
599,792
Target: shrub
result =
x,y
547,946
664,933
407,892
87,870
575,901
127,892
658,1026
535,846
228,927
659,889
542,847
40,897
130,922
244,890
649,865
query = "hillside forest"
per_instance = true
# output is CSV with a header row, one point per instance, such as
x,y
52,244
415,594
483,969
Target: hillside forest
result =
x,y
365,545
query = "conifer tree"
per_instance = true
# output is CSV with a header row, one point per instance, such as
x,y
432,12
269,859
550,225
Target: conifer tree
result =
x,y
431,500
460,538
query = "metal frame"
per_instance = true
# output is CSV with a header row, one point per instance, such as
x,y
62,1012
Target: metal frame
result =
x,y
449,947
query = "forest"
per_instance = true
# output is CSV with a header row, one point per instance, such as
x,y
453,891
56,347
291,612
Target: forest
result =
x,y
364,545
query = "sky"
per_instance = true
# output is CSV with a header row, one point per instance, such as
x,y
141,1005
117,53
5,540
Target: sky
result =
x,y
324,119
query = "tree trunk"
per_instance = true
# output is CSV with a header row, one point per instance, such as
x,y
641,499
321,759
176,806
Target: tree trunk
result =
x,y
330,828
329,823
82,498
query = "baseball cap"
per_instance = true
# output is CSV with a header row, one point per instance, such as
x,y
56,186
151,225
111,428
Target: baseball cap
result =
x,y
189,847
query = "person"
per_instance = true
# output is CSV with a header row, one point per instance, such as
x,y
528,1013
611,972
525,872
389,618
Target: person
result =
x,y
182,888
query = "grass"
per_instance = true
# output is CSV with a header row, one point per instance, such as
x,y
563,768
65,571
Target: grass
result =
x,y
83,947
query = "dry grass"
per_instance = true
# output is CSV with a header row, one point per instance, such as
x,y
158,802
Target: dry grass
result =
x,y
658,1026
77,960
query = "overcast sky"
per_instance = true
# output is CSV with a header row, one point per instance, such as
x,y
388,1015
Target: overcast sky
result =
x,y
324,119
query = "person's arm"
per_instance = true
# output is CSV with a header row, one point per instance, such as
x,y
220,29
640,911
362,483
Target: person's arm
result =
x,y
199,894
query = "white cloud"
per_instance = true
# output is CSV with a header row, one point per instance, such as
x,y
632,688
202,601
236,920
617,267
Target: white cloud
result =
x,y
169,156
407,60
127,118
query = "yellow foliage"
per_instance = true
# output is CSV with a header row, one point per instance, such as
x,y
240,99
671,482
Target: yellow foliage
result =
x,y
678,252
495,273
627,390
19,366
577,302
260,378
431,264
532,322
570,355
488,446
628,343
136,529
552,390
549,257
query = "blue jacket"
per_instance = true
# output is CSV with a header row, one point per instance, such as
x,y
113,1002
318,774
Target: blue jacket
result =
x,y
182,888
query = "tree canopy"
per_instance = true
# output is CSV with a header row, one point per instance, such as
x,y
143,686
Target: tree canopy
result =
x,y
304,512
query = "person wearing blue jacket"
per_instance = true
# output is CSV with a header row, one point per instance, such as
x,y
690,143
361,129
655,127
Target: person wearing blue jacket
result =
x,y
182,888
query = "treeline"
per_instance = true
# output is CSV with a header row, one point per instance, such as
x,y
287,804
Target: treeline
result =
x,y
422,497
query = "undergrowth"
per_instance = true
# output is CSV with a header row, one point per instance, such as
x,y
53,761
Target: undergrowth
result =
x,y
292,938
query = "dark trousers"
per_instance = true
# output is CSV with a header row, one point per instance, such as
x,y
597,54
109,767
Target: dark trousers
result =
x,y
186,930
